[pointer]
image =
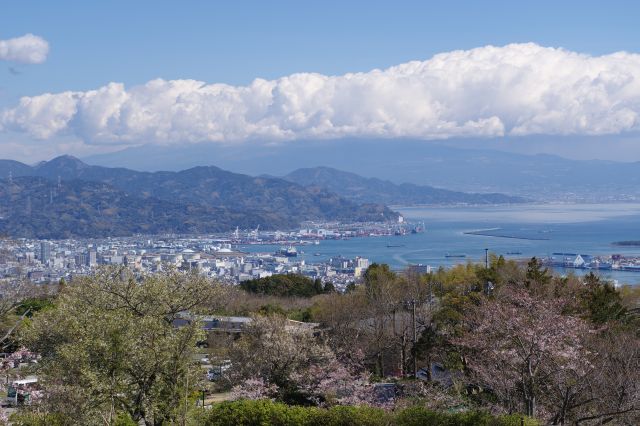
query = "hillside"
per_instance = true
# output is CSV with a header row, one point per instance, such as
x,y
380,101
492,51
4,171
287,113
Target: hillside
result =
x,y
34,207
371,190
201,199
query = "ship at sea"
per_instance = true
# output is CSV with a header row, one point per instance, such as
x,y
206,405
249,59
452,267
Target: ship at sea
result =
x,y
454,255
418,229
287,251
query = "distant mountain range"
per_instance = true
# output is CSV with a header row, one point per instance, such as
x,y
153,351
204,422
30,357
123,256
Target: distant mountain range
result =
x,y
541,177
371,190
66,197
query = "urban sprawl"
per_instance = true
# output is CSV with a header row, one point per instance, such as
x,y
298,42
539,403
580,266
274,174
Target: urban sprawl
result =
x,y
225,258
216,256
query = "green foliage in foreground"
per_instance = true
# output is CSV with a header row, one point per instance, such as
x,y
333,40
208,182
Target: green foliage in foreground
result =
x,y
284,285
34,304
35,418
265,412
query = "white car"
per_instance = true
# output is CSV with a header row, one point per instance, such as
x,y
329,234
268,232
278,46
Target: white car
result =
x,y
217,371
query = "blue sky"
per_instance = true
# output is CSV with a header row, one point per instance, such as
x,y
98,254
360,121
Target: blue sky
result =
x,y
94,43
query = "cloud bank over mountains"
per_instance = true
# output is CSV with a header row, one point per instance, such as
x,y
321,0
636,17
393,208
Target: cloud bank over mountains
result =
x,y
27,49
515,90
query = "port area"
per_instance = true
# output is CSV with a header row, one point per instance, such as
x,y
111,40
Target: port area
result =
x,y
311,233
616,262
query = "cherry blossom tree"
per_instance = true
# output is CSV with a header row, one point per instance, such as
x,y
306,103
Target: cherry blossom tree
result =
x,y
254,388
612,392
277,361
516,344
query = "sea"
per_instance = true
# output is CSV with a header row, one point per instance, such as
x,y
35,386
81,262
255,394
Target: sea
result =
x,y
514,231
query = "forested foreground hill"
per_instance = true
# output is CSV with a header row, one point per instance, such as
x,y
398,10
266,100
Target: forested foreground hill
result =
x,y
98,201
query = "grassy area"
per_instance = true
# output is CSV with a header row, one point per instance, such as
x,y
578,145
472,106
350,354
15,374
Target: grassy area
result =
x,y
217,398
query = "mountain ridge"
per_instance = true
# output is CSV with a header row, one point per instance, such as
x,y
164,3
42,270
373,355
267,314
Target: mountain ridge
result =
x,y
373,190
455,165
249,201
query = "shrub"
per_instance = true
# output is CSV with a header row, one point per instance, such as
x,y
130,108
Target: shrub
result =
x,y
26,418
417,416
266,412
349,415
260,412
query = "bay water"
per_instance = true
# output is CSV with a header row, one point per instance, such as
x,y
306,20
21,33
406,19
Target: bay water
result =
x,y
516,232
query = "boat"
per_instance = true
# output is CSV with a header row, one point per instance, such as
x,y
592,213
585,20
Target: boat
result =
x,y
514,252
287,251
394,245
601,265
459,256
418,229
317,254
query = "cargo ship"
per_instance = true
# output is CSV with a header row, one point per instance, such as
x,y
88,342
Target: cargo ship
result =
x,y
287,251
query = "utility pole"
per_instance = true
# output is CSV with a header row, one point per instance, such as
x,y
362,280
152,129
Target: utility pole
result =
x,y
488,286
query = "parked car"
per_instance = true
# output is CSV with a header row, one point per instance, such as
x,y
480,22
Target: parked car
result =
x,y
216,372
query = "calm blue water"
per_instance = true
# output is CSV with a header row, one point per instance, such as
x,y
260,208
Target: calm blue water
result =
x,y
568,228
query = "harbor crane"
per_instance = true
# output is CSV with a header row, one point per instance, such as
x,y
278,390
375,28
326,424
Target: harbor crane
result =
x,y
254,233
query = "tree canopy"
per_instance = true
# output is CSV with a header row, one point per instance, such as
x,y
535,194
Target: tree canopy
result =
x,y
109,346
286,285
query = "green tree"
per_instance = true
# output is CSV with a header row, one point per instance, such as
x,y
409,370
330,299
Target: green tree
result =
x,y
318,288
378,282
602,301
109,347
285,285
12,315
537,275
381,291
329,287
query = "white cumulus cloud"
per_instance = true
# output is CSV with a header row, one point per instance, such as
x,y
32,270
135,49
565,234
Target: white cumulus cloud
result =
x,y
518,89
27,49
